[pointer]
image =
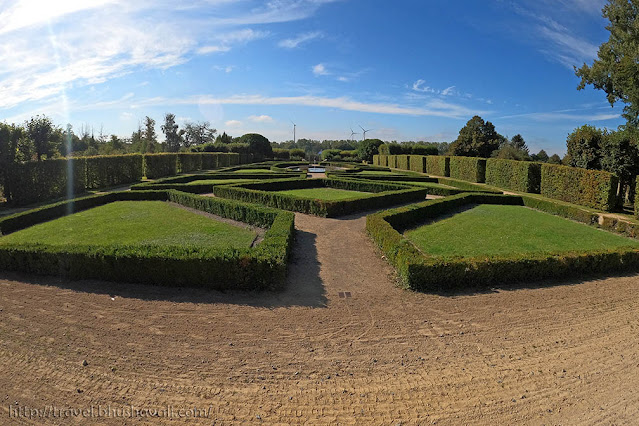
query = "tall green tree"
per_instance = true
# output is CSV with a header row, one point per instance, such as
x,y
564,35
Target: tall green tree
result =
x,y
478,138
171,134
620,156
367,148
519,143
616,70
198,133
258,144
42,133
584,147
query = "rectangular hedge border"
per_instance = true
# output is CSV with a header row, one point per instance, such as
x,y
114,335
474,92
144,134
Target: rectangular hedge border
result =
x,y
438,165
417,163
523,176
160,165
111,170
189,162
591,188
262,267
421,272
403,162
264,193
471,169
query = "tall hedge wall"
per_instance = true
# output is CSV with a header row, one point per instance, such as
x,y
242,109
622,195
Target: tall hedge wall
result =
x,y
523,176
403,162
418,163
29,183
112,170
189,162
471,169
438,165
160,165
376,160
210,160
590,188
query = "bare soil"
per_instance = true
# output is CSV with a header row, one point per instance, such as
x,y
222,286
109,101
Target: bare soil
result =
x,y
545,354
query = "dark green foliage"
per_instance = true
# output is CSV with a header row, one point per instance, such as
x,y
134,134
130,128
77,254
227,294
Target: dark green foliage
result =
x,y
189,162
438,165
111,170
32,182
258,268
590,188
265,193
467,186
620,156
258,144
210,160
584,145
426,273
521,176
45,139
477,139
418,163
468,168
367,148
541,157
160,165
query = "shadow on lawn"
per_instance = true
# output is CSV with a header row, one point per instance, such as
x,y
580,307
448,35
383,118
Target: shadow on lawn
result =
x,y
304,286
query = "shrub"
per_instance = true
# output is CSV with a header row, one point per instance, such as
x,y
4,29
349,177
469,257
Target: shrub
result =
x,y
188,162
258,268
265,193
523,176
418,163
471,169
160,165
403,162
281,154
258,144
32,182
590,188
112,170
438,165
210,160
427,273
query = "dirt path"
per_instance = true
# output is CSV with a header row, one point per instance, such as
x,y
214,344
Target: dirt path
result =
x,y
566,354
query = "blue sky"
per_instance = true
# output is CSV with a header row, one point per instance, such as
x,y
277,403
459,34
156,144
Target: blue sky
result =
x,y
408,69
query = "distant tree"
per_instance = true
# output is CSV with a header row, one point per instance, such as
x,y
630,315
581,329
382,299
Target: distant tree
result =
x,y
615,70
258,144
198,133
477,138
554,159
509,152
541,156
171,134
223,138
519,143
424,149
584,146
620,156
40,130
367,148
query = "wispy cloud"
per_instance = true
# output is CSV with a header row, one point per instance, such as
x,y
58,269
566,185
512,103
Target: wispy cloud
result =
x,y
419,86
233,123
261,118
565,114
292,43
320,69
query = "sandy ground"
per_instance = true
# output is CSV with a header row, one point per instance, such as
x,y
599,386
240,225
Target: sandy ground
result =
x,y
563,354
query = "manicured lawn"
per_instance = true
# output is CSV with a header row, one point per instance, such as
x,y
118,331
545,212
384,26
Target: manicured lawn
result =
x,y
327,194
505,230
218,181
373,172
135,223
425,184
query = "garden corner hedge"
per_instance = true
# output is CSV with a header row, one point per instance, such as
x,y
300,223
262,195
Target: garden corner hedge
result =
x,y
471,169
438,165
266,193
262,267
523,176
591,188
423,272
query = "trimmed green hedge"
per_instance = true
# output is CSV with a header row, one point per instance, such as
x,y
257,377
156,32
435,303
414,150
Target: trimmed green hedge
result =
x,y
160,165
258,268
418,163
523,176
427,273
467,186
189,162
590,188
403,162
264,193
438,165
29,183
376,160
471,169
111,170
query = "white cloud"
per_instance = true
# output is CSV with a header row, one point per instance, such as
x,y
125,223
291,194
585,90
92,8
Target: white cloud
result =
x,y
292,43
233,123
261,118
418,86
450,91
320,69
